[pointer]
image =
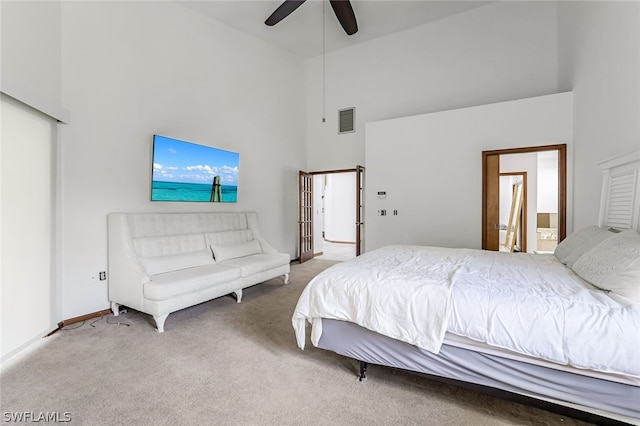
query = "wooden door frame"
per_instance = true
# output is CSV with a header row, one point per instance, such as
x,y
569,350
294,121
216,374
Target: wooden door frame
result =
x,y
358,224
562,183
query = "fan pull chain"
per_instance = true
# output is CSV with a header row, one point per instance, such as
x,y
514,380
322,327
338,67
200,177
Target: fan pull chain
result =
x,y
323,65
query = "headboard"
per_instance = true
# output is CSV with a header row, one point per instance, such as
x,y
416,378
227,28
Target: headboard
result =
x,y
620,201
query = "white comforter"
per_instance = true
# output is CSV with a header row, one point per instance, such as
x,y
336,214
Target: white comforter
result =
x,y
527,303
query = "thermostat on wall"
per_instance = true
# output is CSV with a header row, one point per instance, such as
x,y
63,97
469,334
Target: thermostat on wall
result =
x,y
382,194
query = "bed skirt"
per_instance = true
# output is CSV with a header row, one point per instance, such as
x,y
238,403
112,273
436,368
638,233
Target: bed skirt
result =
x,y
559,387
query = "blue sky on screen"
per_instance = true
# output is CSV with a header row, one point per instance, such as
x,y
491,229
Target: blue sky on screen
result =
x,y
179,161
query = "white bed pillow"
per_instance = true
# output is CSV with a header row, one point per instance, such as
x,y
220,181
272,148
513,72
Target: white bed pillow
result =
x,y
614,265
173,262
579,242
222,253
592,241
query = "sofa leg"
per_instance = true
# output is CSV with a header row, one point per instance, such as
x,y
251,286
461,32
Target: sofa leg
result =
x,y
160,319
286,278
238,294
115,308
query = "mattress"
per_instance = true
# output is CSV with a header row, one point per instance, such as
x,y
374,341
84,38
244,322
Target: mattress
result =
x,y
612,399
528,304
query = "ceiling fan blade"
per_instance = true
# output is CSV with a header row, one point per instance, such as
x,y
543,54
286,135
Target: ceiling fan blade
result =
x,y
344,13
283,11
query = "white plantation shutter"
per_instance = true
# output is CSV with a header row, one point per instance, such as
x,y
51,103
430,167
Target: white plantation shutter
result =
x,y
619,208
620,205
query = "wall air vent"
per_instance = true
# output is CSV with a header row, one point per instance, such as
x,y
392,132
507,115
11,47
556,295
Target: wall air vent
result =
x,y
346,118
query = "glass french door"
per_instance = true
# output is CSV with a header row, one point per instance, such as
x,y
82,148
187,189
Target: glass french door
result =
x,y
305,215
359,210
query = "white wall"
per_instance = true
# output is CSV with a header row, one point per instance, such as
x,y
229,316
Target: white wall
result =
x,y
430,165
498,52
318,213
132,69
28,294
31,60
548,182
599,59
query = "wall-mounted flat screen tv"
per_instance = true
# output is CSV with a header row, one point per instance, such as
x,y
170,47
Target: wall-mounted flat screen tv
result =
x,y
185,171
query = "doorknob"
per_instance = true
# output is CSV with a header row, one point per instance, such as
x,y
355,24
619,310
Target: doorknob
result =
x,y
500,227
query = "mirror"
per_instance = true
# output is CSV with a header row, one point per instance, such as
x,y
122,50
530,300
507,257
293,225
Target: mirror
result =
x,y
515,218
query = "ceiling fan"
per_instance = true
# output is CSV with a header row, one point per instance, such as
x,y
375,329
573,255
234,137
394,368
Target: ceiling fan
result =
x,y
342,9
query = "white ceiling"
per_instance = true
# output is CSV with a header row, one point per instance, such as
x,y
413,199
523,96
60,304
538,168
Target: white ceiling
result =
x,y
302,31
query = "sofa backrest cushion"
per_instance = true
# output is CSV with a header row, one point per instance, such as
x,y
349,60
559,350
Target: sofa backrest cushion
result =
x,y
167,245
233,251
180,240
162,224
160,264
228,238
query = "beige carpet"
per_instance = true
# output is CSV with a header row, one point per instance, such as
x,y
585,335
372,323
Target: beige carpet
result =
x,y
225,363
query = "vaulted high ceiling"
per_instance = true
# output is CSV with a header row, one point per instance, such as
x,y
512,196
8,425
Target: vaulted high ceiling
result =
x,y
302,31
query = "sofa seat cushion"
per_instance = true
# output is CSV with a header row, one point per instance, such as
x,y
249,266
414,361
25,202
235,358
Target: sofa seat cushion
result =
x,y
185,281
254,264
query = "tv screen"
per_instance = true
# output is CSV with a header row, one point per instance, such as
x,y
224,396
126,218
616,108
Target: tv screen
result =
x,y
185,171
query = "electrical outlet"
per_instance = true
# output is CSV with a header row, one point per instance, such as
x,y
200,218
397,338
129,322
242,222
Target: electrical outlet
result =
x,y
103,276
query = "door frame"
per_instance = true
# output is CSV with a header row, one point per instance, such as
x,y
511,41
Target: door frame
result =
x,y
488,158
359,173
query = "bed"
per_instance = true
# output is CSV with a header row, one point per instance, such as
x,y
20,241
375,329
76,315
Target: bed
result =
x,y
562,328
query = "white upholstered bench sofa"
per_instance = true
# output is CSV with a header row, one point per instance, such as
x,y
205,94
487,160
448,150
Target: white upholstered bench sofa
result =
x,y
160,263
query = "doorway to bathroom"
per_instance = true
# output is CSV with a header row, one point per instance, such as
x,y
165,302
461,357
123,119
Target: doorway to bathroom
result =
x,y
542,215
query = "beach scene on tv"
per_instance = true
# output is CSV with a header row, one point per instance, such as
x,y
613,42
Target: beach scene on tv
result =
x,y
185,171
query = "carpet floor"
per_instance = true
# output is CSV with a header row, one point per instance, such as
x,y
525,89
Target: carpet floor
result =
x,y
226,363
